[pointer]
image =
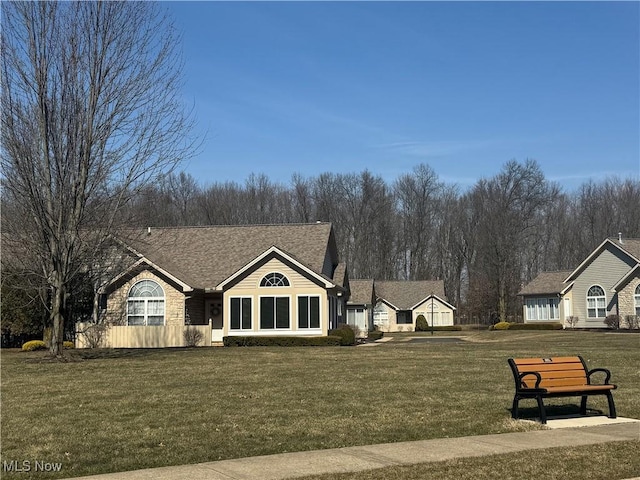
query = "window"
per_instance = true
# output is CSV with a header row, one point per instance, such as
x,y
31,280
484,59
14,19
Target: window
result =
x,y
274,313
404,318
274,279
596,302
637,300
145,304
543,309
240,313
308,312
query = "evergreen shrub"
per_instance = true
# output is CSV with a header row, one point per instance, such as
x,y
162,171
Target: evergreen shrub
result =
x,y
256,341
346,333
34,345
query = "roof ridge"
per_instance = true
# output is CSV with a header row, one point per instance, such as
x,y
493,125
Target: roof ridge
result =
x,y
244,225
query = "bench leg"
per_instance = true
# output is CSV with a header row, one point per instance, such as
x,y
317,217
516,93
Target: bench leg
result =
x,y
514,408
543,412
583,405
612,406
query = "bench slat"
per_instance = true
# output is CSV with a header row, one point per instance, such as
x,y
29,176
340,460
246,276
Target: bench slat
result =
x,y
551,367
541,360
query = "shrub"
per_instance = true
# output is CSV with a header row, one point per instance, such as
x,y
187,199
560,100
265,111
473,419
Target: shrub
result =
x,y
346,333
93,334
34,345
612,321
633,322
536,326
572,321
255,341
375,335
501,326
192,337
421,324
448,328
68,345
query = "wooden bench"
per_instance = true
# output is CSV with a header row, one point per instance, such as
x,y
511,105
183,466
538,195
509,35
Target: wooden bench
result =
x,y
557,377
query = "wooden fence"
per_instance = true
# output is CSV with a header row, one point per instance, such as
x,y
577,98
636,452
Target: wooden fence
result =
x,y
111,336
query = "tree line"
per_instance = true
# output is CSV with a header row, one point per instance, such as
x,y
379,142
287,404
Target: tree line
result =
x,y
485,242
93,125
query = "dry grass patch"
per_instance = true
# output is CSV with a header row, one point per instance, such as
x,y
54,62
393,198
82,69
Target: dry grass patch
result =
x,y
125,410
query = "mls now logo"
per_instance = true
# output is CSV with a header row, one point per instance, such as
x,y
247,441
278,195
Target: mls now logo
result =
x,y
28,466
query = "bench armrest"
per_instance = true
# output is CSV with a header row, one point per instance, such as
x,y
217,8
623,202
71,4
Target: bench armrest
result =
x,y
524,374
603,370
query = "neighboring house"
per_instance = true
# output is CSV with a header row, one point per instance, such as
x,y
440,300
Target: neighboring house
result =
x,y
360,305
395,305
606,283
233,280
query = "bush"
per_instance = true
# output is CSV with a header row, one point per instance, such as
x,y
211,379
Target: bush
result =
x,y
254,341
501,326
34,345
68,345
572,321
448,328
421,324
612,321
536,326
192,337
375,335
346,333
633,322
93,334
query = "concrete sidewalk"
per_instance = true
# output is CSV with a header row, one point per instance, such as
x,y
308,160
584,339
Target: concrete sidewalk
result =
x,y
562,433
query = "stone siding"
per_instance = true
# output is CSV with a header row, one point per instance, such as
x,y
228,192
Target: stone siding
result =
x,y
173,301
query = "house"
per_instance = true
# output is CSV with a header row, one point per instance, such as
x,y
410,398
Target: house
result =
x,y
225,281
394,306
606,283
360,305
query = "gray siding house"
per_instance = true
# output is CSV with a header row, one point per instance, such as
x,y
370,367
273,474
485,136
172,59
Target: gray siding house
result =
x,y
606,283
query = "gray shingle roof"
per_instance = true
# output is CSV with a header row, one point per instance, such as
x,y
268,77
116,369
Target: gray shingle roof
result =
x,y
202,257
629,245
404,294
546,283
361,292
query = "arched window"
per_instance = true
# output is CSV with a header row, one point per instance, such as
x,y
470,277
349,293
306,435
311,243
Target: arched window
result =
x,y
145,304
637,299
274,279
596,302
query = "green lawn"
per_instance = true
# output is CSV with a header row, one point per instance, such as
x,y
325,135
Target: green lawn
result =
x,y
125,410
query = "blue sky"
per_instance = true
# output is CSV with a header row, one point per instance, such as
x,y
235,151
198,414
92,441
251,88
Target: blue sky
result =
x,y
310,87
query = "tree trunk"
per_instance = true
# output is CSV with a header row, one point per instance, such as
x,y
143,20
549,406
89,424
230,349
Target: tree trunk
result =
x,y
57,321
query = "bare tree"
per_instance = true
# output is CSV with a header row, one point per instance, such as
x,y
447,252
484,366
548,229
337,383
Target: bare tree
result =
x,y
91,113
511,206
418,194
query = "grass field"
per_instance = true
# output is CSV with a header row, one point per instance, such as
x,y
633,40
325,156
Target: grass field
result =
x,y
125,410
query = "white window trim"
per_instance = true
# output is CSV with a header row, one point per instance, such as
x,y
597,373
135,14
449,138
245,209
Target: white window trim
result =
x,y
275,272
542,305
636,298
241,297
309,329
596,298
275,322
146,300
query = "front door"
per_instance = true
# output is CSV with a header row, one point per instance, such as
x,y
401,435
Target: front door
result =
x,y
214,312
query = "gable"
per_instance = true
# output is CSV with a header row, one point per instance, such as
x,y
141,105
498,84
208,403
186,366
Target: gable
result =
x,y
615,254
435,302
274,260
138,267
